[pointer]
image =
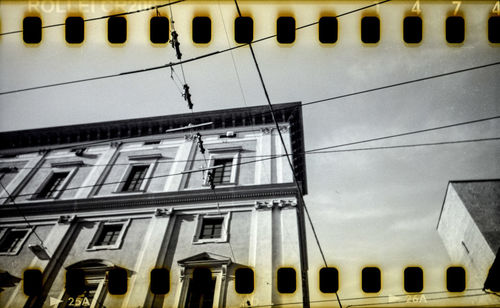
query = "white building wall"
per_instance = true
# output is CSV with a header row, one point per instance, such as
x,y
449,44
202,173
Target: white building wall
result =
x,y
463,240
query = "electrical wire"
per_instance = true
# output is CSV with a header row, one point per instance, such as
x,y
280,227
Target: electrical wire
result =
x,y
269,158
404,146
176,63
307,152
156,7
292,169
407,133
215,195
401,83
22,214
186,94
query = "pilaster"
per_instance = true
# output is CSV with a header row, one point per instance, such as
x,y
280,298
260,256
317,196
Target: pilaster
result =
x,y
155,236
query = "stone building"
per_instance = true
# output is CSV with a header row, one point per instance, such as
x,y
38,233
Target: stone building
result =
x,y
469,225
135,195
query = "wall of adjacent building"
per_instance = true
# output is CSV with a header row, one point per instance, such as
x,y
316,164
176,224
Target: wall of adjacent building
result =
x,y
463,240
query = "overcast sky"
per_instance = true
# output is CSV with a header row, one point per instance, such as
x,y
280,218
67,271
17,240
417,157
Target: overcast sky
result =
x,y
369,207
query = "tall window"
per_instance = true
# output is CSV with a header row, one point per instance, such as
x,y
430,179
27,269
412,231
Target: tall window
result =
x,y
52,186
222,174
211,228
135,178
12,241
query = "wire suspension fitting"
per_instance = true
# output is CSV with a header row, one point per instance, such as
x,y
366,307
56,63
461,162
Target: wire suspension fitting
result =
x,y
176,45
210,176
187,96
200,143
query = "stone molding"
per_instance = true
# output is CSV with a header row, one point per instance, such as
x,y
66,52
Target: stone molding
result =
x,y
164,212
280,203
66,219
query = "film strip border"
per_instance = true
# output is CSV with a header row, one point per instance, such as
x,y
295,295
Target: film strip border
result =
x,y
159,283
243,28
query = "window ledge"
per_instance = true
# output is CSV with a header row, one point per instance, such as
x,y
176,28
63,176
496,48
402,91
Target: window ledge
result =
x,y
136,192
209,241
10,253
109,247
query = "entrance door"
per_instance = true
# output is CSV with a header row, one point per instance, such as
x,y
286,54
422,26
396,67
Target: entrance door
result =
x,y
201,289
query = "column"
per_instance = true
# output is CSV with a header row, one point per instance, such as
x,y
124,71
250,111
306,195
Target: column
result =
x,y
261,253
55,243
156,237
99,173
264,147
174,182
283,171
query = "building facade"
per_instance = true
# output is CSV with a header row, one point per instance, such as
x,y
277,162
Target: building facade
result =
x,y
136,195
469,226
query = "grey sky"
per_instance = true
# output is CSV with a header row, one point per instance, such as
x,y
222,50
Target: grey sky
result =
x,y
369,207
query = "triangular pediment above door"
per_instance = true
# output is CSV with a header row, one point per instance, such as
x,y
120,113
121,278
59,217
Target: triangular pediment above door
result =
x,y
205,259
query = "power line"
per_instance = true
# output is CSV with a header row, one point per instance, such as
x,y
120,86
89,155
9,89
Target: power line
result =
x,y
308,152
406,133
294,107
292,169
156,7
401,83
404,146
173,64
9,197
312,151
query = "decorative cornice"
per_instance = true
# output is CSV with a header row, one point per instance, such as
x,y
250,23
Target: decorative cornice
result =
x,y
266,130
284,128
189,137
115,144
218,148
164,212
159,200
70,163
145,156
289,114
66,219
275,203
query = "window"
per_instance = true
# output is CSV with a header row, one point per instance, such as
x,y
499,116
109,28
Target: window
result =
x,y
52,188
211,228
223,162
12,241
222,174
109,235
135,178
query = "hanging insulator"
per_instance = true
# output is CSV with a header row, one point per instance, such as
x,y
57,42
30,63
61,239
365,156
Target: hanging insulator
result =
x,y
176,45
200,143
187,96
210,176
